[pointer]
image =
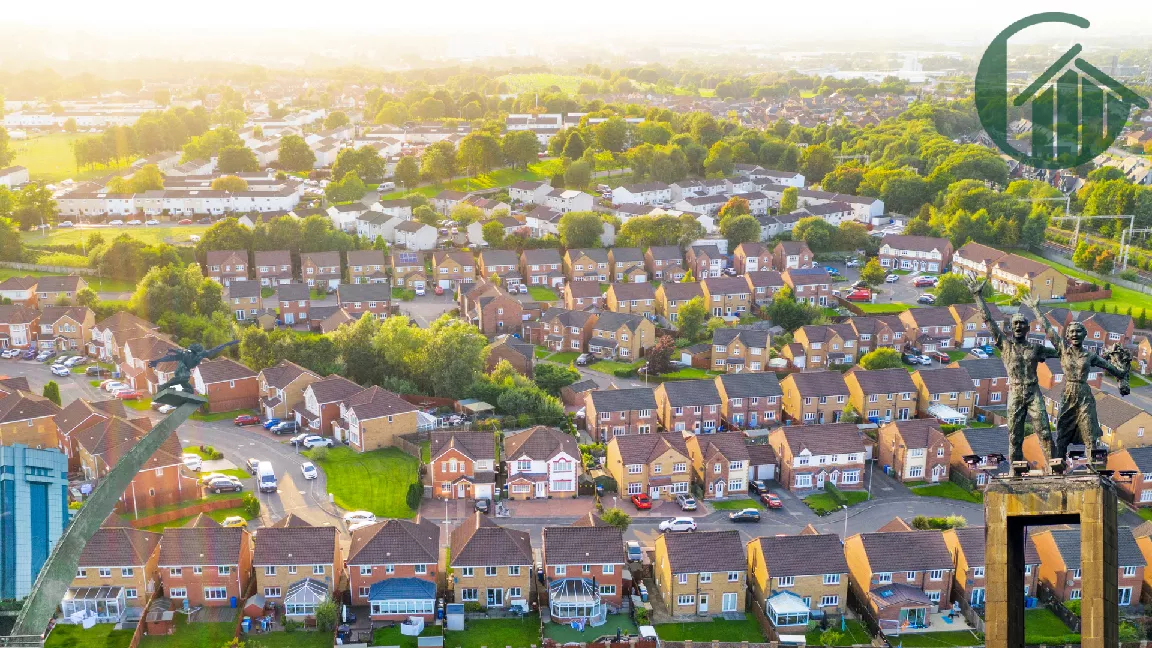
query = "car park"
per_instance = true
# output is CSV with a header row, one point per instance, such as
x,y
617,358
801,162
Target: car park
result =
x,y
234,521
641,501
309,470
678,524
353,517
771,501
224,483
246,419
192,461
315,441
745,515
686,502
61,370
892,278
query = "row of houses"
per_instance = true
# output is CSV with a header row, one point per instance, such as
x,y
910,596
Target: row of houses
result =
x,y
180,202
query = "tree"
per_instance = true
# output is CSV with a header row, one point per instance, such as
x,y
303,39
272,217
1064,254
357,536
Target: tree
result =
x,y
326,616
740,229
364,162
816,232
788,200
392,112
613,134
294,154
427,215
617,518
951,289
818,162
148,178
230,183
579,174
690,318
551,377
873,273
87,298
237,159
11,247
736,206
52,392
454,358
35,205
520,148
849,414
787,313
439,161
580,229
336,119
660,356
70,125
720,160
6,153
882,358
479,153
350,188
407,171
574,147
493,233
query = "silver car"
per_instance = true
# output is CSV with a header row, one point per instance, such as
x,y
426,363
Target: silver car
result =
x,y
686,502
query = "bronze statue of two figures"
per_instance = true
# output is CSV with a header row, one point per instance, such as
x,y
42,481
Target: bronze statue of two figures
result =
x,y
1077,422
179,388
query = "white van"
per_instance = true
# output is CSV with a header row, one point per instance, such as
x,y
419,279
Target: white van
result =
x,y
266,477
386,186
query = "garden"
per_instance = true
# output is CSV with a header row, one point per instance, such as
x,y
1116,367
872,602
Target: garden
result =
x,y
948,490
379,481
718,629
101,635
192,635
832,499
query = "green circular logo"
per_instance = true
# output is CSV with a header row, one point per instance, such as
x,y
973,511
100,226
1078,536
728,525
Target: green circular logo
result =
x,y
1076,112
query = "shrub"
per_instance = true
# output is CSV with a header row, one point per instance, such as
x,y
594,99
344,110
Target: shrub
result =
x,y
939,523
210,453
1073,607
836,495
326,616
319,454
290,625
624,373
473,606
641,616
251,505
414,495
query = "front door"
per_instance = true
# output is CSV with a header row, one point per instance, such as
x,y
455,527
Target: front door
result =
x,y
462,491
937,472
820,480
540,489
703,603
495,598
719,489
752,419
728,603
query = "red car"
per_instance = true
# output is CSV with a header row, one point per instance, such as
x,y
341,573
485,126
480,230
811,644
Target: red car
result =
x,y
438,290
247,419
860,295
642,501
128,395
922,282
940,356
185,221
771,501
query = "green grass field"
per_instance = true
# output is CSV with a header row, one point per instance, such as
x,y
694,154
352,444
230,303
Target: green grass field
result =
x,y
174,234
220,416
884,309
1122,297
948,490
49,158
706,631
298,639
563,357
99,636
374,481
935,639
687,373
564,634
854,634
192,635
609,366
219,515
516,633
825,504
569,83
542,293
99,284
497,178
1042,626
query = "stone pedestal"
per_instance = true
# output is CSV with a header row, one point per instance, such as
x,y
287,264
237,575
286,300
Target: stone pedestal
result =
x,y
1011,505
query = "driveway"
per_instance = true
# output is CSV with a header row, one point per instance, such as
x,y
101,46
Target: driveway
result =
x,y
427,309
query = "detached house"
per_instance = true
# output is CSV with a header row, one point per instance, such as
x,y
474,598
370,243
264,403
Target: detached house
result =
x,y
623,336
226,266
589,264
393,567
1137,490
295,303
541,267
367,266
452,268
65,328
763,285
688,405
915,253
373,419
492,565
567,330
968,551
19,326
521,355
298,566
21,290
812,456
321,405
664,262
989,377
983,443
735,350
205,563
945,394
282,388
720,464
751,257
827,344
408,269
320,269
791,255
726,296
372,298
704,261
882,395
77,416
656,464
914,450
971,329
244,300
815,397
52,288
903,577
273,267
620,412
670,296
584,569
631,298
807,569
929,329
542,462
227,384
701,574
27,418
500,263
463,465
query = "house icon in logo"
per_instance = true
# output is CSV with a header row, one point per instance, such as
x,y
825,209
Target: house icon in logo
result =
x,y
1076,112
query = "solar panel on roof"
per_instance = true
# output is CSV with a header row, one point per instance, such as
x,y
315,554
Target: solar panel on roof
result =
x,y
408,257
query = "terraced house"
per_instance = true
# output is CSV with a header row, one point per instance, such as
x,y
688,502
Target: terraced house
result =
x,y
812,456
751,257
273,267
117,570
492,565
500,263
749,400
587,264
620,412
393,567
975,258
627,265
656,464
945,394
632,298
1012,272
367,266
297,565
226,266
664,262
621,336
726,296
720,464
670,296
320,270
692,405
914,450
735,350
809,569
881,395
452,268
815,397
701,574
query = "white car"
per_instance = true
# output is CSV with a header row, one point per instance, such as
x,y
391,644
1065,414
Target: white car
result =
x,y
315,441
65,224
309,470
979,353
195,238
152,221
9,353
114,386
133,222
61,370
353,517
523,290
678,524
420,291
892,278
116,222
192,462
852,263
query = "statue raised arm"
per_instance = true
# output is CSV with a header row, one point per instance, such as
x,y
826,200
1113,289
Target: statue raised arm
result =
x,y
186,360
977,289
1032,302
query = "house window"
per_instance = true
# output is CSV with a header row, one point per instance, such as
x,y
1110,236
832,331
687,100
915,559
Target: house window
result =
x,y
215,593
468,594
420,569
933,595
785,581
270,570
514,570
977,572
1129,572
467,572
177,592
705,577
831,579
365,570
1074,595
733,577
291,570
829,601
686,599
561,570
175,571
514,592
130,592
604,569
489,571
884,578
271,592
910,576
317,570
682,579
81,573
224,570
105,572
936,574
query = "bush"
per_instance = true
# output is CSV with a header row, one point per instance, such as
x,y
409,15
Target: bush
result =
x,y
1073,607
326,616
641,616
414,495
251,505
624,373
319,454
210,453
835,494
474,606
939,523
290,624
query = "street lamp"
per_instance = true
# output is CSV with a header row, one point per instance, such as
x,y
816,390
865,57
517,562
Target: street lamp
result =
x,y
845,507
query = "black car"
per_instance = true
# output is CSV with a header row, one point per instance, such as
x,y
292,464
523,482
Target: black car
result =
x,y
96,372
483,505
745,515
910,358
287,427
757,486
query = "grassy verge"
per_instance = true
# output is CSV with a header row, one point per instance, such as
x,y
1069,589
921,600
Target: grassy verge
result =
x,y
881,309
854,634
220,416
1042,626
825,504
150,235
517,633
563,357
687,373
542,352
49,158
948,490
706,631
99,636
735,504
192,635
374,481
542,293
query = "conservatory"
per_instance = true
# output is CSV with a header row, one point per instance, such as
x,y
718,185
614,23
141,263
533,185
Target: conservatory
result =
x,y
576,599
303,596
399,598
99,604
787,609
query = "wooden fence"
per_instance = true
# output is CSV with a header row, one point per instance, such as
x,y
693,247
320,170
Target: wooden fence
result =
x,y
186,511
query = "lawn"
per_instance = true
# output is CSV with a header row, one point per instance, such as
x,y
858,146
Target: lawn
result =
x,y
825,504
219,515
563,357
220,416
517,633
298,639
99,284
854,634
374,481
530,82
1121,297
542,293
392,636
934,639
609,366
403,294
956,356
718,629
542,352
192,635
139,404
565,634
882,309
49,158
735,504
948,490
687,373
99,636
1042,626
498,178
149,234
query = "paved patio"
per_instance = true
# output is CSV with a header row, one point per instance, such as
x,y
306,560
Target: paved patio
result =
x,y
939,622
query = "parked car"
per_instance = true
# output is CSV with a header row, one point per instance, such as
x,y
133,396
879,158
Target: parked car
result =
x,y
116,222
678,524
127,394
911,358
352,517
634,551
9,353
224,483
65,224
924,360
860,283
356,526
862,295
151,221
926,299
235,521
192,462
184,221
194,238
979,353
686,502
298,439
924,281
522,289
246,419
61,370
29,354
109,385
315,441
940,356
271,423
309,470
852,263
483,505
757,486
96,371
771,501
420,291
287,427
438,290
583,359
988,348
44,355
892,278
745,515
641,501
252,464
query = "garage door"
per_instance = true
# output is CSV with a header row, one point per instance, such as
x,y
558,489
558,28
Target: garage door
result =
x,y
445,283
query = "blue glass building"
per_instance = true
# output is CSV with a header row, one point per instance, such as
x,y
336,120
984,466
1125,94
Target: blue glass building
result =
x,y
33,513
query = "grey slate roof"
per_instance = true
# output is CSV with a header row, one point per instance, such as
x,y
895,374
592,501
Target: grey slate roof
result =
x,y
684,393
540,443
294,291
803,555
609,321
987,368
580,545
295,545
1142,457
906,551
705,551
814,384
1068,544
882,381
751,385
398,542
987,441
480,542
750,337
619,400
827,439
942,381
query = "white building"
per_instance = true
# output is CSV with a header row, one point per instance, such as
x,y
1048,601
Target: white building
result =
x,y
415,235
566,200
646,193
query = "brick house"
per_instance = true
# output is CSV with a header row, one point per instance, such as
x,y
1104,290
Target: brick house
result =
x,y
814,397
373,419
589,552
968,551
542,462
704,261
701,574
827,344
453,268
878,332
393,567
916,253
656,464
989,377
814,455
810,285
582,295
567,330
273,267
902,576
118,557
51,289
929,329
1059,551
881,395
28,419
983,443
736,350
296,565
664,262
500,263
671,296
226,266
751,257
726,296
809,566
791,255
620,412
111,334
321,405
1012,271
408,269
587,264
19,326
749,400
1050,375
361,298
1137,490
21,290
492,565
688,405
295,303
975,258
367,266
243,298
631,298
79,415
915,450
228,385
621,336
65,328
521,355
137,352
763,286
939,390
971,329
719,464
463,465
541,267
205,563
282,388
320,269
627,265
